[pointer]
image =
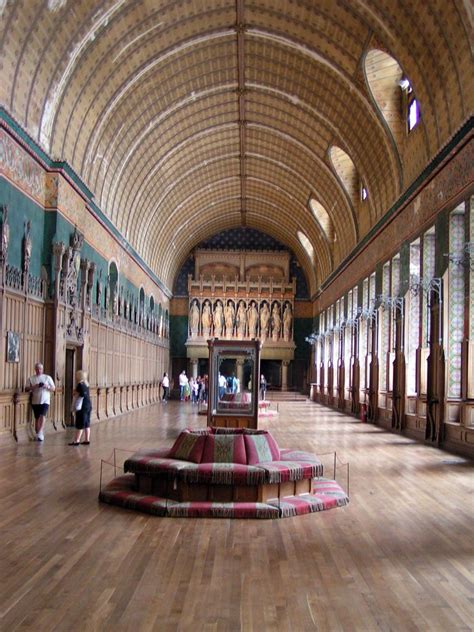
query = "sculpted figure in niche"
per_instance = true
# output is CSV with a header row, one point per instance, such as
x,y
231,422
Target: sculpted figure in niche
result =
x,y
276,321
252,320
218,319
206,318
264,320
241,320
5,235
229,314
27,247
194,318
287,319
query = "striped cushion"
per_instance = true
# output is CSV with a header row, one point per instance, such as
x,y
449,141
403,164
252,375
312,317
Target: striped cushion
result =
x,y
188,446
261,448
224,449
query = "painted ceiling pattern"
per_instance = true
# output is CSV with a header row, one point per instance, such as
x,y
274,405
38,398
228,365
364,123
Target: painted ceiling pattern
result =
x,y
186,118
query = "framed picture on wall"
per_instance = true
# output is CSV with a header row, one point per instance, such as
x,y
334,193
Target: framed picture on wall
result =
x,y
13,347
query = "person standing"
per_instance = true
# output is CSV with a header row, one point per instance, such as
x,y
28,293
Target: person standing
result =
x,y
165,384
183,382
222,385
263,387
83,412
40,386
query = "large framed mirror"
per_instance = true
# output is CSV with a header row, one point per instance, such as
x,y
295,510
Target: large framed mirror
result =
x,y
233,383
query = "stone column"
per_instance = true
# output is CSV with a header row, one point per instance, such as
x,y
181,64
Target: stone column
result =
x,y
284,375
194,368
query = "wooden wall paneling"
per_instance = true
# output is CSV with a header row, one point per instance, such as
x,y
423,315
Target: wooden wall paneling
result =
x,y
101,349
6,408
14,321
470,369
123,359
113,355
109,354
128,362
93,353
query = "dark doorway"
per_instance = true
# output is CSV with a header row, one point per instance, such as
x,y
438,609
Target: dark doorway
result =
x,y
271,369
177,366
203,366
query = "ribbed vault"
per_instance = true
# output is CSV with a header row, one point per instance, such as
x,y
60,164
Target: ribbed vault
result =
x,y
186,118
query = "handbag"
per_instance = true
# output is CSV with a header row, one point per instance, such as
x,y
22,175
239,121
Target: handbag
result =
x,y
77,403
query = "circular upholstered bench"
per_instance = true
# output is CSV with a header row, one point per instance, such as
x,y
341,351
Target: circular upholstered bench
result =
x,y
230,472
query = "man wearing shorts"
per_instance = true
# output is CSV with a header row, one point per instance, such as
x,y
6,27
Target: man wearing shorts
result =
x,y
40,386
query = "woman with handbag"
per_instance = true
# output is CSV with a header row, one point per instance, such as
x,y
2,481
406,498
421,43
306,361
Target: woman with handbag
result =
x,y
82,407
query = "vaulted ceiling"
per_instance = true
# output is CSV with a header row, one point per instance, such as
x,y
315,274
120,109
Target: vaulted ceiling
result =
x,y
189,117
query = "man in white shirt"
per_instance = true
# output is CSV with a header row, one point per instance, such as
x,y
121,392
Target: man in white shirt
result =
x,y
183,381
222,385
40,386
165,383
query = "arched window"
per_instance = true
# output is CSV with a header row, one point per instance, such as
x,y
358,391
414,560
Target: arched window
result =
x,y
346,171
305,242
323,219
385,79
354,184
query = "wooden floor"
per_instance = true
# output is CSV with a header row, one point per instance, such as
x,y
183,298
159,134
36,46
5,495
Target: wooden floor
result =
x,y
399,557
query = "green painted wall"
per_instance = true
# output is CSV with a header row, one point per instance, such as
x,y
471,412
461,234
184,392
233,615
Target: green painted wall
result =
x,y
178,336
48,227
20,210
303,328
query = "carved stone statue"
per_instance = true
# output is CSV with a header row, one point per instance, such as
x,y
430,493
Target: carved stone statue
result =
x,y
264,320
276,321
287,319
206,318
99,289
107,294
218,319
241,320
90,283
252,318
229,315
27,247
5,236
194,318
